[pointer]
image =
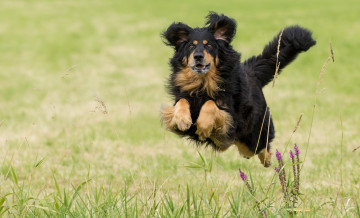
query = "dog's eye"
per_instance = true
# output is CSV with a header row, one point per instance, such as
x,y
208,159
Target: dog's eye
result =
x,y
209,46
191,46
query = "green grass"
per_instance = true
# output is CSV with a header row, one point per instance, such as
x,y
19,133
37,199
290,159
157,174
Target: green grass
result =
x,y
61,155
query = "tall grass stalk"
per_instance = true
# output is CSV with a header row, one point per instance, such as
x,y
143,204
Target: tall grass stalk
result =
x,y
317,92
340,167
271,96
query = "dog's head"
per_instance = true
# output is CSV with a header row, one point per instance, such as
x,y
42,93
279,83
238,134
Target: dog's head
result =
x,y
198,48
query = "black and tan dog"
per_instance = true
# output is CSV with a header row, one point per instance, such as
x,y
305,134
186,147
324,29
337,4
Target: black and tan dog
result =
x,y
219,100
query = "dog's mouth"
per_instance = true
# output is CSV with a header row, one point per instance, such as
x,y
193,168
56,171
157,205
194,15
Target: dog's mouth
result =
x,y
201,68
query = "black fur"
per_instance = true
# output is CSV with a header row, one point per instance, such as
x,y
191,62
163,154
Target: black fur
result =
x,y
242,83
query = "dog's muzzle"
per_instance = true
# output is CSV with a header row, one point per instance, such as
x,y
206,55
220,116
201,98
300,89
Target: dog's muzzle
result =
x,y
200,67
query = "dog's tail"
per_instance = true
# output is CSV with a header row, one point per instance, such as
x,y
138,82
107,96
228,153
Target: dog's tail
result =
x,y
294,39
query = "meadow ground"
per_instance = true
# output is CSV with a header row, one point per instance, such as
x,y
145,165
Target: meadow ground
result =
x,y
81,86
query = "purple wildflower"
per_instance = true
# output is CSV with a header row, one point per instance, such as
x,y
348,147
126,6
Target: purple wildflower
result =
x,y
251,190
291,154
278,155
297,151
242,175
277,169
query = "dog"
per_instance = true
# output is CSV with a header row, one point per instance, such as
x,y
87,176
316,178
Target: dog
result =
x,y
218,99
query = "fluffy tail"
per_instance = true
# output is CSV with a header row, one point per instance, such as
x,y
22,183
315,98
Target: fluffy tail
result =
x,y
294,40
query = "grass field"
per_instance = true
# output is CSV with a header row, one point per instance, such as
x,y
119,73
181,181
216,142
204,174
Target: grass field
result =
x,y
82,83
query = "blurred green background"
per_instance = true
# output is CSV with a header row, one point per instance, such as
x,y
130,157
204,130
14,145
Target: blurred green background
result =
x,y
63,62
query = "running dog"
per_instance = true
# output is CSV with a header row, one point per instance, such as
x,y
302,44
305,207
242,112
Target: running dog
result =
x,y
218,100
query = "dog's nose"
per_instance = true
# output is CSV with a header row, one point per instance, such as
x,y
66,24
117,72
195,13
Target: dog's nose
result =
x,y
198,56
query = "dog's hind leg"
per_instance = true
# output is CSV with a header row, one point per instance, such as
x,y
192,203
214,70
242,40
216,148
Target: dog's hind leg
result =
x,y
244,150
265,157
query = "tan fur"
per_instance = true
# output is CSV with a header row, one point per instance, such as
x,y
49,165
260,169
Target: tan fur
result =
x,y
195,42
265,157
216,60
185,60
191,82
167,114
244,150
213,122
177,117
223,122
205,42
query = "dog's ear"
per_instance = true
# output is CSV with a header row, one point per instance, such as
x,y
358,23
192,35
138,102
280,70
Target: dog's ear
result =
x,y
223,27
176,34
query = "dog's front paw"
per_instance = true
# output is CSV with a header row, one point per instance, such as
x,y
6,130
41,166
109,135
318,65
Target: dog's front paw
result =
x,y
183,121
177,118
204,129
